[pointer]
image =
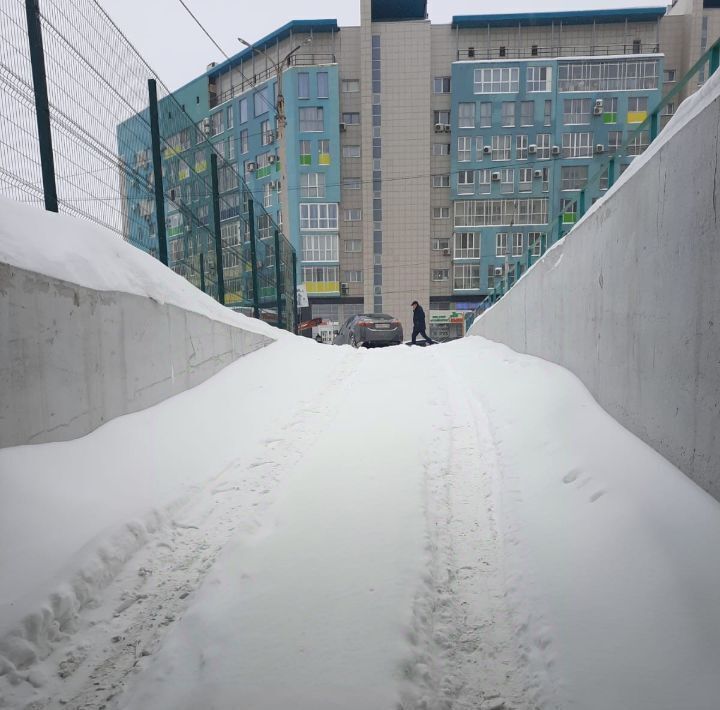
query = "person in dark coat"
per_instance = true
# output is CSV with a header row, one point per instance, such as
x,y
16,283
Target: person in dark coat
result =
x,y
419,323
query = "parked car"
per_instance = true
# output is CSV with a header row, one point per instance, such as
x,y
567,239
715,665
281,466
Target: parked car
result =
x,y
370,330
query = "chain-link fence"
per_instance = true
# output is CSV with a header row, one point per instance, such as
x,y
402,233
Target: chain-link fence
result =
x,y
144,169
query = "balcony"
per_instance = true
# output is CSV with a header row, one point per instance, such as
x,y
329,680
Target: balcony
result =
x,y
474,54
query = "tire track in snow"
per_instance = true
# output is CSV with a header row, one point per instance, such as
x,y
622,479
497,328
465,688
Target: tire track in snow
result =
x,y
123,626
468,657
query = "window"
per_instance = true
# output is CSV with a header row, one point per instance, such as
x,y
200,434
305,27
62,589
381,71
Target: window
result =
x,y
577,145
440,244
321,279
352,277
351,151
323,151
311,119
501,147
266,134
521,147
261,101
507,180
467,245
668,109
305,153
312,184
466,277
303,85
576,111
501,244
486,213
495,275
611,75
466,115
539,78
517,244
200,161
351,183
527,113
610,109
227,178
353,246
243,110
440,149
614,141
526,178
441,213
267,195
440,274
479,148
441,181
637,109
350,119
319,216
535,240
508,114
500,80
669,75
217,123
231,149
352,215
638,144
544,146
441,118
547,113
573,177
485,181
485,114
320,247
323,85
464,148
230,116
441,85
350,86
466,182
569,211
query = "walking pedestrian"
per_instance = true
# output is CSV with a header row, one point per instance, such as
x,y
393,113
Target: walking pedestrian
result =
x,y
419,324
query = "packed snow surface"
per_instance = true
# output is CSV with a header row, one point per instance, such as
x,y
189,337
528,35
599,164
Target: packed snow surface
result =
x,y
316,527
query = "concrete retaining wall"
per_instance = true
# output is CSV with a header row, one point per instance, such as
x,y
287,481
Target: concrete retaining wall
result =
x,y
72,358
630,301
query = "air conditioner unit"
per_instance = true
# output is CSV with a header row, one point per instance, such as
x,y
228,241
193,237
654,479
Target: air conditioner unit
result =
x,y
271,159
446,128
496,177
251,167
598,111
342,126
446,252
538,173
438,128
498,271
599,148
487,150
599,102
344,288
556,150
532,149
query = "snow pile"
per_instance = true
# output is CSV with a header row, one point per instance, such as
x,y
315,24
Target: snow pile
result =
x,y
86,254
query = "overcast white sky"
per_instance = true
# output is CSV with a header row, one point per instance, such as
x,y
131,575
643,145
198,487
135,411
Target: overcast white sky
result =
x,y
178,50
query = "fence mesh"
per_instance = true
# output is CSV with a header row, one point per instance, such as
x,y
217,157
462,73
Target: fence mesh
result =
x,y
98,97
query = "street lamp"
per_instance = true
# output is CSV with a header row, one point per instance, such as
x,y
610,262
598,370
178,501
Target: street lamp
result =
x,y
280,114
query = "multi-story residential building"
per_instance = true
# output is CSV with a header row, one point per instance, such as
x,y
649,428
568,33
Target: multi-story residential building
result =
x,y
421,161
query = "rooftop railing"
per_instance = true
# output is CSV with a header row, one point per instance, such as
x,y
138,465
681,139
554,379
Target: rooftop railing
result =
x,y
530,52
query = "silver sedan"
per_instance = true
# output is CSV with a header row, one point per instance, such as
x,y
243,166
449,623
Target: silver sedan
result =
x,y
370,330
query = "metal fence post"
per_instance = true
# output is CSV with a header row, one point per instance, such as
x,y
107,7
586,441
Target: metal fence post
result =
x,y
253,256
202,272
653,125
157,172
581,204
611,173
714,59
278,279
294,293
42,105
560,226
218,234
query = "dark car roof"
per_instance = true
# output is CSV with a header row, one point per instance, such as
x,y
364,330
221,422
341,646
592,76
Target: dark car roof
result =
x,y
376,316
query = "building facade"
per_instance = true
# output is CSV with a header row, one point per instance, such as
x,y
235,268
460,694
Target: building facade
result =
x,y
422,161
